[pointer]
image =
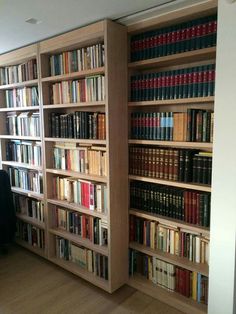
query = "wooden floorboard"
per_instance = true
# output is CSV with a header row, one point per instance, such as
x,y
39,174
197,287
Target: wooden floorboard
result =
x,y
31,285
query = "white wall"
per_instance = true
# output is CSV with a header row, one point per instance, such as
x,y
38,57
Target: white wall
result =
x,y
223,213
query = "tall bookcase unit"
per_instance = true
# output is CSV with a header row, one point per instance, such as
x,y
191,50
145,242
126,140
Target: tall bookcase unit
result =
x,y
95,196
21,143
169,236
81,97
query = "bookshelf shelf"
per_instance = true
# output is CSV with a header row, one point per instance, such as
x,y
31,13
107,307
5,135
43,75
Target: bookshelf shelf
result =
x,y
74,75
21,165
32,194
18,137
173,259
169,102
174,299
84,274
193,145
76,207
170,222
30,108
175,59
76,105
183,185
72,140
31,220
77,175
80,241
31,248
19,85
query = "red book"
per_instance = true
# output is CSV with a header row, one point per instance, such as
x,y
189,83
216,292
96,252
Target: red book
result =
x,y
187,283
197,208
131,228
177,279
194,208
186,205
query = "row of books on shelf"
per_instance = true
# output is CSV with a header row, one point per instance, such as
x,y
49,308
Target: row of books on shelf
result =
x,y
86,259
22,97
85,58
29,207
26,179
196,34
184,165
91,195
30,234
80,124
23,124
173,278
185,205
83,159
182,243
92,88
19,73
195,125
24,152
87,227
191,82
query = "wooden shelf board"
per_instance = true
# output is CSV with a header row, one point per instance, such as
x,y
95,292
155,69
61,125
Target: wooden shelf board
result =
x,y
172,259
21,84
31,248
80,241
74,75
172,298
75,140
171,222
168,102
31,220
77,270
175,59
75,105
27,193
21,165
77,175
183,185
78,208
30,108
18,137
193,145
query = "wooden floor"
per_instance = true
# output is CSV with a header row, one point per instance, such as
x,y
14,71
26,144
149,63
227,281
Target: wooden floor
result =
x,y
31,285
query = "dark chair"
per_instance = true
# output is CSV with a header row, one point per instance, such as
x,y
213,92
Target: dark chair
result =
x,y
7,212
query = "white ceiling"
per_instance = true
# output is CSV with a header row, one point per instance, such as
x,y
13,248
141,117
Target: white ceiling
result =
x,y
58,16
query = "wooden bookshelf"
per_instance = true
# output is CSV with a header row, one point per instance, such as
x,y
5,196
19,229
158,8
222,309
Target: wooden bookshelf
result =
x,y
175,102
75,105
82,273
77,175
31,220
170,222
18,137
29,108
176,59
80,241
72,140
192,145
33,249
74,75
76,207
172,62
172,259
182,185
174,299
114,38
32,194
21,165
18,85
